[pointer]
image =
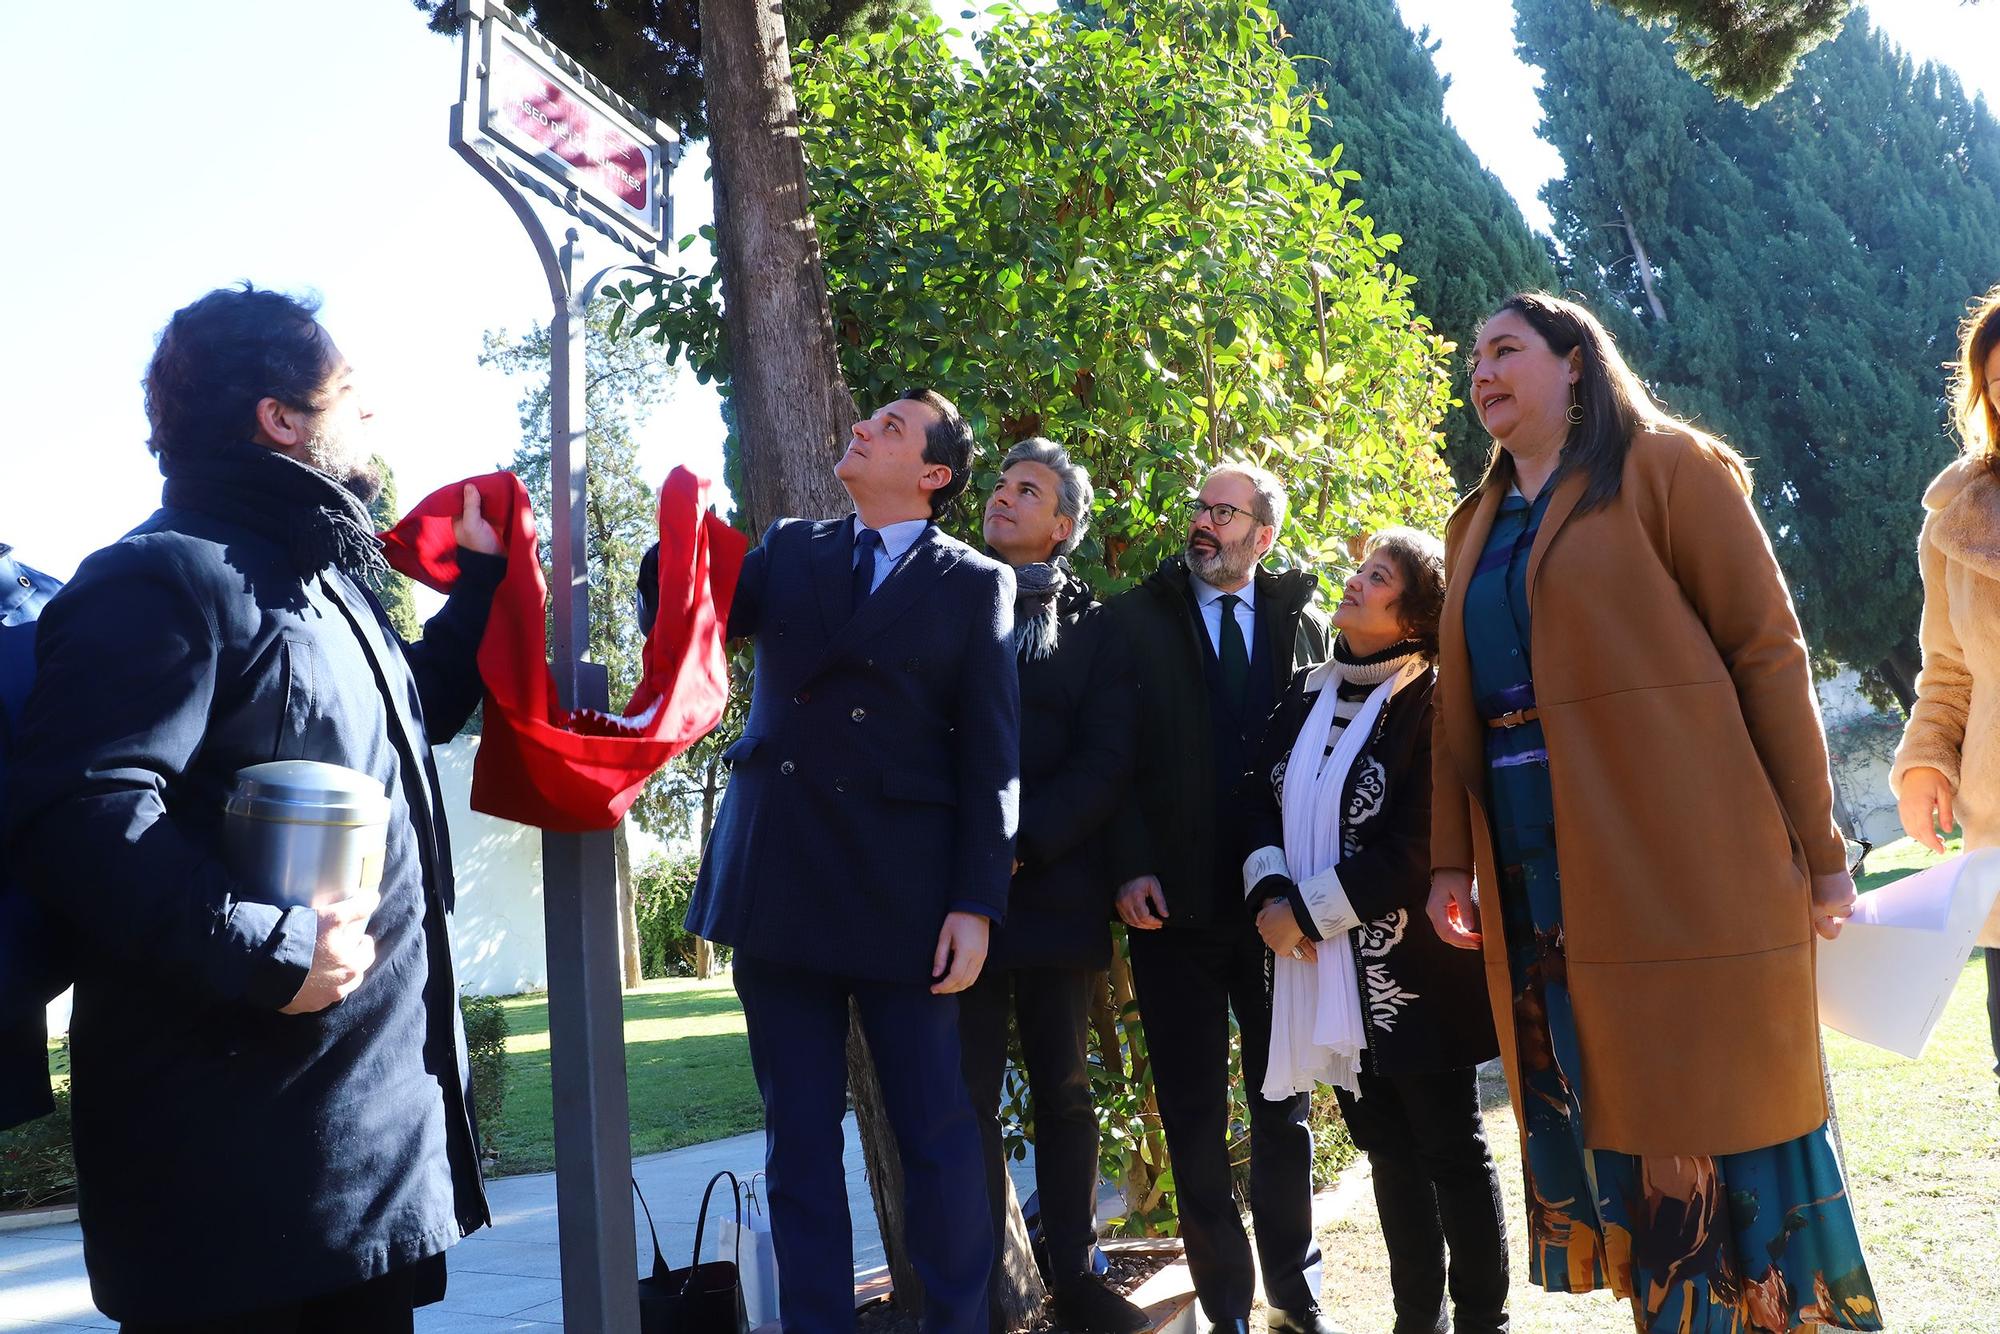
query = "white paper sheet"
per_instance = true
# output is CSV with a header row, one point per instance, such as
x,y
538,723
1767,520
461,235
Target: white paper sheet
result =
x,y
1888,976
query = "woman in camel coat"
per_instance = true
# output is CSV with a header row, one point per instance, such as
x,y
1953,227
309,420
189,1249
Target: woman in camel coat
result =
x,y
1948,767
1629,755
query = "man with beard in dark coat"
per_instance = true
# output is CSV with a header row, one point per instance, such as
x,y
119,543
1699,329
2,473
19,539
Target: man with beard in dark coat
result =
x,y
1214,640
1077,720
273,1127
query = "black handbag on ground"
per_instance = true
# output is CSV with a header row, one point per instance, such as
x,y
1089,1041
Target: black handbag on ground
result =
x,y
701,1299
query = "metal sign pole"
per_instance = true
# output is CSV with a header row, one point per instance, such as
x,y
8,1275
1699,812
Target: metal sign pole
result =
x,y
580,905
543,132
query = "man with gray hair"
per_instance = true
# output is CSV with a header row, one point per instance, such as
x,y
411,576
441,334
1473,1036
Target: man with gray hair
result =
x,y
1077,720
1214,639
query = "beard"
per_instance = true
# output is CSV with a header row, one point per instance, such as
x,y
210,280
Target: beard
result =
x,y
1225,563
340,457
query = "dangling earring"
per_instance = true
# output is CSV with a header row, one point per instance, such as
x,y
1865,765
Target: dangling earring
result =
x,y
1575,413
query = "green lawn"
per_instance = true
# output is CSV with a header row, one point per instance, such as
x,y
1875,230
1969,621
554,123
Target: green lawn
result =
x,y
1922,1140
686,1060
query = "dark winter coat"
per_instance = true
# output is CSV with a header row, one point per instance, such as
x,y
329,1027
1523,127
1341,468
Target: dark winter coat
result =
x,y
231,1157
1077,737
1423,1000
876,786
1179,819
34,964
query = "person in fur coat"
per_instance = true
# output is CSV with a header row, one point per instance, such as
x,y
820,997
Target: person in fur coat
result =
x,y
1947,770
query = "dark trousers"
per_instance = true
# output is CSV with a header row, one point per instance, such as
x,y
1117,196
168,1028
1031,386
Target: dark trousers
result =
x,y
797,1021
1051,1007
381,1306
1436,1189
1993,1002
1189,980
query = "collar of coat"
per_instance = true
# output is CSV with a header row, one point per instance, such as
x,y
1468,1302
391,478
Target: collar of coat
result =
x,y
1285,591
1964,505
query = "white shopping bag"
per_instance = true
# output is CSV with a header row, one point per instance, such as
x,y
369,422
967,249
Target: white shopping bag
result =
x,y
1888,976
757,1262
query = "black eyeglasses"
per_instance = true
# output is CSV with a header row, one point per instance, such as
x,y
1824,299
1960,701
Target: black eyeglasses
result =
x,y
1857,853
1218,514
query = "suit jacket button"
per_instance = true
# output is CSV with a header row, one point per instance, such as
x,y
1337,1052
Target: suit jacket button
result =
x,y
840,785
787,767
859,715
802,697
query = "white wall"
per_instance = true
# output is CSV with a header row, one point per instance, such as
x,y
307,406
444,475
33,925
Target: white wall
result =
x,y
496,934
1863,778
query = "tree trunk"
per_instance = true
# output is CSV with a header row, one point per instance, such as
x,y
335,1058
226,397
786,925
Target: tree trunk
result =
x,y
628,907
1899,670
1645,264
792,407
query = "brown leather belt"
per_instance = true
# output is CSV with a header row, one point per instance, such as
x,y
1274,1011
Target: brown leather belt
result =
x,y
1517,718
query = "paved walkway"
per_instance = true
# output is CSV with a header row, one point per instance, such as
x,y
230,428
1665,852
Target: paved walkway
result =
x,y
506,1277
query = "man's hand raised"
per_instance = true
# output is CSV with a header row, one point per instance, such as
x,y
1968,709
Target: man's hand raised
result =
x,y
471,529
342,955
961,952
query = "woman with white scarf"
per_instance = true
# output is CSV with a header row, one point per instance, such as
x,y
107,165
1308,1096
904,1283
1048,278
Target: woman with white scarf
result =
x,y
1364,997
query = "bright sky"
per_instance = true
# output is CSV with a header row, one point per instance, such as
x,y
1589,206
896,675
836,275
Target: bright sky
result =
x,y
180,148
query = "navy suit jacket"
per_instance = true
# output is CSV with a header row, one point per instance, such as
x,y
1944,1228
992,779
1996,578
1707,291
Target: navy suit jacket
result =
x,y
876,785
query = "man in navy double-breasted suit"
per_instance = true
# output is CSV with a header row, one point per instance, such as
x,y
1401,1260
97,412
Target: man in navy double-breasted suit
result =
x,y
864,847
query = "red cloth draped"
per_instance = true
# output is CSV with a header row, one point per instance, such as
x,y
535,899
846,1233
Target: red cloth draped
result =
x,y
539,763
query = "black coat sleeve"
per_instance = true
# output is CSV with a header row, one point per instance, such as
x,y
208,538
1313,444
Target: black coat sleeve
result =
x,y
445,662
1060,811
987,748
127,670
746,610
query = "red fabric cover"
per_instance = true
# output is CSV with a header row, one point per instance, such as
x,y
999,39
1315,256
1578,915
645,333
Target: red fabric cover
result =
x,y
538,763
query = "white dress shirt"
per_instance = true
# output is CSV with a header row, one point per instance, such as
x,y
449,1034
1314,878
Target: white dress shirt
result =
x,y
1209,598
897,539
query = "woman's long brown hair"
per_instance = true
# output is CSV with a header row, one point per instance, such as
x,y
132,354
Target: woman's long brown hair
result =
x,y
1615,402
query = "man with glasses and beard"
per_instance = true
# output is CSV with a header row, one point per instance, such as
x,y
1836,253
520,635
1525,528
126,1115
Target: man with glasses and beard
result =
x,y
272,1110
1214,638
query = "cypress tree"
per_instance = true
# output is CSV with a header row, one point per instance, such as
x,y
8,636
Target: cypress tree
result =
x,y
1463,238
1789,278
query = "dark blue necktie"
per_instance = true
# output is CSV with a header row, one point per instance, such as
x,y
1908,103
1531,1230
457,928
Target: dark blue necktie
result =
x,y
866,543
1234,653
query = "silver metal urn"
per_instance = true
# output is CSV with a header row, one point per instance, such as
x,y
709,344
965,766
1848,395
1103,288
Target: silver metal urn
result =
x,y
300,832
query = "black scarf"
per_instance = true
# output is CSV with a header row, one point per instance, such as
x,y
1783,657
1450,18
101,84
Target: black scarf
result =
x,y
319,522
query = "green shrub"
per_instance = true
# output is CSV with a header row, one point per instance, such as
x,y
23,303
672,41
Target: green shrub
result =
x,y
35,1165
662,886
486,1045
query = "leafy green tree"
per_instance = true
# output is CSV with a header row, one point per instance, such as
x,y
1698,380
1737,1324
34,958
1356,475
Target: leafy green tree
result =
x,y
1746,49
1120,236
1464,239
390,588
1788,277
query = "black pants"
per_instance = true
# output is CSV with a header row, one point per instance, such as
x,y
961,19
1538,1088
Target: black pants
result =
x,y
1189,980
1993,1002
1051,1006
797,1022
1435,1188
381,1306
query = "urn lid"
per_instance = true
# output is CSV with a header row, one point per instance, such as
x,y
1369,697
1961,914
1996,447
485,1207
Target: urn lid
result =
x,y
307,792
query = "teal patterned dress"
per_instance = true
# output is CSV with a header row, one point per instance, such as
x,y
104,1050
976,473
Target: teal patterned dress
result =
x,y
1757,1241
